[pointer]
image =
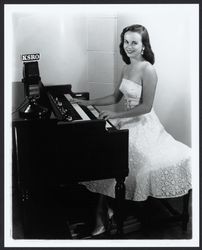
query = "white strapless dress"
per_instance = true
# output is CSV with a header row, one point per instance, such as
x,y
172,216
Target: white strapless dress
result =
x,y
159,166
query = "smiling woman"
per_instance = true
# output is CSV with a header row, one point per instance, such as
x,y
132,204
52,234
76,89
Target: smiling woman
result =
x,y
159,165
135,39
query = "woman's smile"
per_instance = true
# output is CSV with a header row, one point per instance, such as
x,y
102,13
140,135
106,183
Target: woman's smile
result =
x,y
129,51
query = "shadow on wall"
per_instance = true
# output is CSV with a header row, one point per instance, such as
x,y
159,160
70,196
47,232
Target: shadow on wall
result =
x,y
180,118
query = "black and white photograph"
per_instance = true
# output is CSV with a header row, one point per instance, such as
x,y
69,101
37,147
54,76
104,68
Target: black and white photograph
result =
x,y
101,125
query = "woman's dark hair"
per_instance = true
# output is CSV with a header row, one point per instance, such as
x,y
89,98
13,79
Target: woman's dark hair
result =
x,y
148,53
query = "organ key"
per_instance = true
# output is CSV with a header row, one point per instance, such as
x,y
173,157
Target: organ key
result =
x,y
77,108
83,115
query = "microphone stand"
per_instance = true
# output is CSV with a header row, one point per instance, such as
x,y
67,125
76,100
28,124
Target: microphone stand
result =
x,y
33,110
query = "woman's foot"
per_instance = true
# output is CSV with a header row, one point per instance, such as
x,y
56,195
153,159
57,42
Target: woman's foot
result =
x,y
110,213
100,225
99,230
103,223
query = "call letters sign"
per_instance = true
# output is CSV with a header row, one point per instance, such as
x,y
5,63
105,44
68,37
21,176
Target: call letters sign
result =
x,y
30,57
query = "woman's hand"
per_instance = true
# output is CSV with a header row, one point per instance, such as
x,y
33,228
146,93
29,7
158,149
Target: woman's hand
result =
x,y
108,115
80,101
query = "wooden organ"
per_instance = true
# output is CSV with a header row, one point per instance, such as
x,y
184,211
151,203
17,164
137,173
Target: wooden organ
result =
x,y
68,145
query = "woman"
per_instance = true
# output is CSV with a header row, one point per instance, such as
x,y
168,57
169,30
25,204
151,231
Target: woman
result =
x,y
159,166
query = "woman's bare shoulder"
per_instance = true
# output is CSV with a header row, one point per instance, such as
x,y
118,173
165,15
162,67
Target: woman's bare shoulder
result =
x,y
149,72
148,68
125,67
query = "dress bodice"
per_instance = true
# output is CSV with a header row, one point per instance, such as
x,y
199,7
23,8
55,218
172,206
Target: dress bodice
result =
x,y
132,92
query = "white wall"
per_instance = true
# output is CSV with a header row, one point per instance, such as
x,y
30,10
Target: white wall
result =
x,y
60,37
70,42
102,55
79,46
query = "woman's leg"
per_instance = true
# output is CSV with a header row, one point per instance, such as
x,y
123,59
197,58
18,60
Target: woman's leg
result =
x,y
103,215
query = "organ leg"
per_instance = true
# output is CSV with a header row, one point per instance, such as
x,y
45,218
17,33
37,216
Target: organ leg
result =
x,y
120,196
185,213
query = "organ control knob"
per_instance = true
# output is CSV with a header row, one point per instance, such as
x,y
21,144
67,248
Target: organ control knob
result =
x,y
64,111
68,117
59,104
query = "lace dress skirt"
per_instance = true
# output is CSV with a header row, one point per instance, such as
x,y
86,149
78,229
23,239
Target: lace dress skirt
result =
x,y
159,165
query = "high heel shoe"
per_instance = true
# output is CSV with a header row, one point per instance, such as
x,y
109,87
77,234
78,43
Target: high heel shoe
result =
x,y
99,230
109,221
104,227
110,213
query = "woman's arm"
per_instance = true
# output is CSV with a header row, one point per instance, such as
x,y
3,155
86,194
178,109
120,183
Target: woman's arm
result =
x,y
103,101
149,86
107,100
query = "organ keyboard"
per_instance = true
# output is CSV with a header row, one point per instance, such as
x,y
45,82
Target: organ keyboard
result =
x,y
74,112
70,145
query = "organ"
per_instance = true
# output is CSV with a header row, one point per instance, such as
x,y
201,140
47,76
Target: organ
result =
x,y
69,145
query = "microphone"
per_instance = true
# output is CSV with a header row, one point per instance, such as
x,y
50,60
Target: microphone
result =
x,y
32,80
